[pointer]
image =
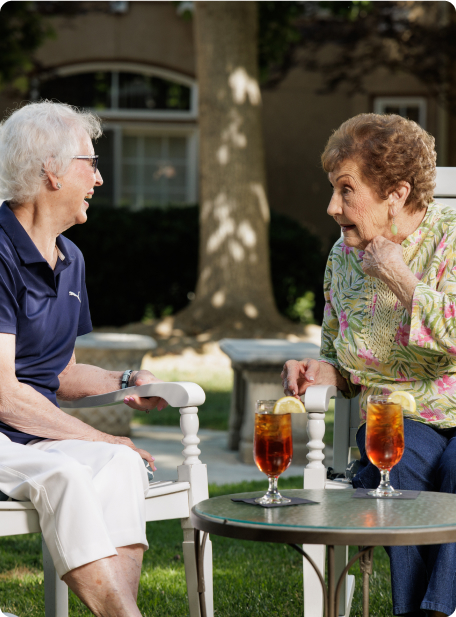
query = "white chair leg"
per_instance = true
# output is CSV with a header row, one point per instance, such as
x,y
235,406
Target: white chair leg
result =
x,y
191,574
208,578
314,478
346,593
350,587
195,472
192,577
313,593
55,590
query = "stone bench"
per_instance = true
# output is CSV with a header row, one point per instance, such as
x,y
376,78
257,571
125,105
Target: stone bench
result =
x,y
257,365
114,352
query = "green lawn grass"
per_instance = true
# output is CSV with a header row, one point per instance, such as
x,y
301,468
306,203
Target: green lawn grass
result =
x,y
213,414
250,578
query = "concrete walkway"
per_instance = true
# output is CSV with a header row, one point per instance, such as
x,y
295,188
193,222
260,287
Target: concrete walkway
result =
x,y
164,443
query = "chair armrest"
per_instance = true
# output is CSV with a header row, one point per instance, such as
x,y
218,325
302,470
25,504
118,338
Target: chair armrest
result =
x,y
316,402
316,398
183,394
175,393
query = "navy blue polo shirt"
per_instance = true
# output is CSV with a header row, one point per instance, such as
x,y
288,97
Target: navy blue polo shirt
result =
x,y
46,309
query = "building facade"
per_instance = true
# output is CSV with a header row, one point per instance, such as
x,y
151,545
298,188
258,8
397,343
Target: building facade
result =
x,y
134,64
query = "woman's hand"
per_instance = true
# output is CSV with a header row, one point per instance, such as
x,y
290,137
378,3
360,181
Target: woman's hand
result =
x,y
298,376
139,378
384,260
125,441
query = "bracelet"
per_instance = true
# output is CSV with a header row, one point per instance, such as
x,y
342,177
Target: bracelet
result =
x,y
125,379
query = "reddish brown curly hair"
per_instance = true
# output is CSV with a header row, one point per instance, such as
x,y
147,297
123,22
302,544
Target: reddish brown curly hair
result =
x,y
389,149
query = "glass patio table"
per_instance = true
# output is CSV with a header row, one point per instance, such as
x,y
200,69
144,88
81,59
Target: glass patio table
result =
x,y
337,519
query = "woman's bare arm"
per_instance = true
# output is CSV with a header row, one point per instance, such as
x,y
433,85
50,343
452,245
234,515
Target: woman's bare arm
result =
x,y
25,409
79,380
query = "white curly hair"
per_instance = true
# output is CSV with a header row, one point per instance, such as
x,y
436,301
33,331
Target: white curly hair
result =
x,y
36,138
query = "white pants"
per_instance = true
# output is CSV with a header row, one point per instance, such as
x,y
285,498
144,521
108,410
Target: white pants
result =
x,y
89,495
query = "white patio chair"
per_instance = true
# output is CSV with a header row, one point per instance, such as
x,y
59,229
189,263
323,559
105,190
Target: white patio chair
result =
x,y
164,500
346,422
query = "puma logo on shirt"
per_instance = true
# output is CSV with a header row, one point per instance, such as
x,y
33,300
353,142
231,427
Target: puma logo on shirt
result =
x,y
71,293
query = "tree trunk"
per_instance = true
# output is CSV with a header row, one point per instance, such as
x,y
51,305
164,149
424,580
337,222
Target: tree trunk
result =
x,y
234,289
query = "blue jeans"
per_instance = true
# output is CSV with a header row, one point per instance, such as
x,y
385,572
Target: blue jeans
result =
x,y
422,577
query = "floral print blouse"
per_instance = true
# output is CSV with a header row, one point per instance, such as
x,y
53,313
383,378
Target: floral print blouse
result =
x,y
421,356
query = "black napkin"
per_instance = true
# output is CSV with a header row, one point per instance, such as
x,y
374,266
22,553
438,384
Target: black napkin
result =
x,y
361,493
294,502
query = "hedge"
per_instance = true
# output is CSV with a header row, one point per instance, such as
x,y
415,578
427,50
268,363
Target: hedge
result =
x,y
144,264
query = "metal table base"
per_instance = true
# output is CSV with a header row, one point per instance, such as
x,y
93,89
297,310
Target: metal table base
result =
x,y
330,593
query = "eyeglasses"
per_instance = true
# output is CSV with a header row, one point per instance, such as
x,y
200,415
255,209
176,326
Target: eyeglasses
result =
x,y
93,158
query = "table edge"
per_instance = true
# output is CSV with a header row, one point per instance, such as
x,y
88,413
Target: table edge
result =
x,y
290,535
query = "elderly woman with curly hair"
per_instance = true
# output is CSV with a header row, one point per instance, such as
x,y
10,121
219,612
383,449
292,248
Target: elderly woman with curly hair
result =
x,y
390,322
87,486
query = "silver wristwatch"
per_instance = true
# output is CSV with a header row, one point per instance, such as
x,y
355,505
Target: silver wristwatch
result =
x,y
125,379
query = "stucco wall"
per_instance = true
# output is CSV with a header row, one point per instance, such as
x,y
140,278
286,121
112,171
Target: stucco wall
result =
x,y
149,32
297,121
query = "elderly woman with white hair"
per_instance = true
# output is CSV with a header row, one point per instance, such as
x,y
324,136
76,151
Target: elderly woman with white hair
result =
x,y
88,487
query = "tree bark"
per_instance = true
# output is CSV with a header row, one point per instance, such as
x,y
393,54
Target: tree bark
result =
x,y
234,287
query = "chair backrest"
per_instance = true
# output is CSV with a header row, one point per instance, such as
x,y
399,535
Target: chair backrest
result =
x,y
346,422
354,420
445,190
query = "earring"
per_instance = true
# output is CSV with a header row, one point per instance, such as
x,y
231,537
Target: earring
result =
x,y
394,227
59,186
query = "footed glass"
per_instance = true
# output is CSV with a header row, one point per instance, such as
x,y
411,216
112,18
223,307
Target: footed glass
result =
x,y
272,448
384,440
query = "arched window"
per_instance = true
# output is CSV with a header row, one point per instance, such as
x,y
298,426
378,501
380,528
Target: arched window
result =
x,y
148,153
118,90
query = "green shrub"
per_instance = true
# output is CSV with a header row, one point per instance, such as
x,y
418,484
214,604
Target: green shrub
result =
x,y
144,264
302,309
297,268
138,263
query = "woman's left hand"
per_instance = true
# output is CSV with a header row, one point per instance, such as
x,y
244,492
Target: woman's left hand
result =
x,y
139,378
383,258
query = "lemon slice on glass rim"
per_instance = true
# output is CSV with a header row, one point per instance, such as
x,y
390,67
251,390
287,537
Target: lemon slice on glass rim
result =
x,y
289,404
404,399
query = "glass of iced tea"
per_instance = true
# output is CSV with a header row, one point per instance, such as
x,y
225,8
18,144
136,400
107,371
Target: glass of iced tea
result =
x,y
272,448
384,440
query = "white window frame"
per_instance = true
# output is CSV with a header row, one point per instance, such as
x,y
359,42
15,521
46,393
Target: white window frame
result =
x,y
142,69
145,122
168,130
381,102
